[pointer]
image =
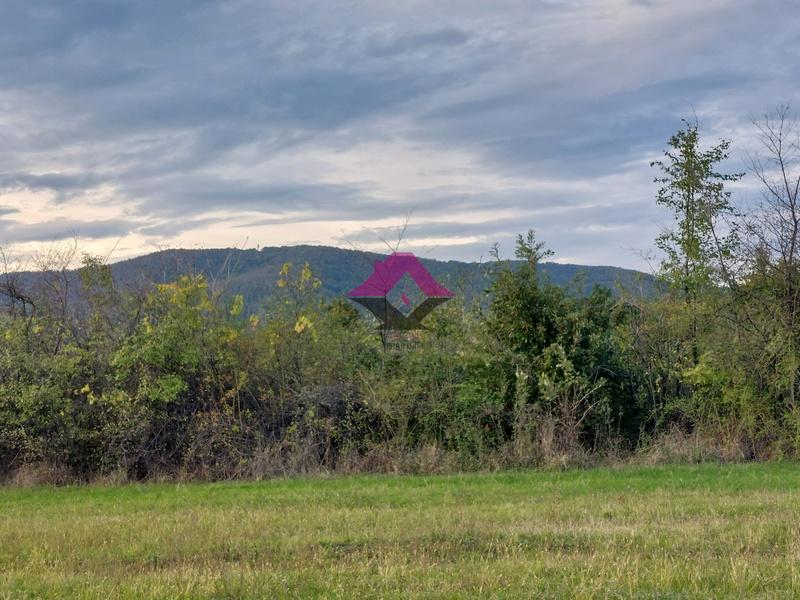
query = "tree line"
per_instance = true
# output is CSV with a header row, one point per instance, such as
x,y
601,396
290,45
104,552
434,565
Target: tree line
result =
x,y
179,380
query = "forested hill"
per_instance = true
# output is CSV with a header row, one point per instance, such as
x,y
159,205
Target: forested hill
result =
x,y
253,273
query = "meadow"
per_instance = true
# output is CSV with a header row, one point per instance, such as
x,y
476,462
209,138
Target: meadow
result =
x,y
637,531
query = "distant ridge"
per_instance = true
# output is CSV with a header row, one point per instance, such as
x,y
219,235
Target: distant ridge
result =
x,y
253,273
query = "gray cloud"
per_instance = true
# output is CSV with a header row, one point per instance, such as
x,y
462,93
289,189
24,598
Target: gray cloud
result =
x,y
182,195
182,107
64,185
13,231
382,45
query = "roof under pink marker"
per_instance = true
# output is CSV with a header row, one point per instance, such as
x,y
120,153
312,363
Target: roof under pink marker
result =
x,y
388,272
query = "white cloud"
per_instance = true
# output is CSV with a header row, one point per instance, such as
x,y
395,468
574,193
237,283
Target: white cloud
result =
x,y
319,122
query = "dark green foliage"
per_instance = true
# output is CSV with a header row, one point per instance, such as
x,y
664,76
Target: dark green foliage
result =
x,y
180,377
562,354
227,364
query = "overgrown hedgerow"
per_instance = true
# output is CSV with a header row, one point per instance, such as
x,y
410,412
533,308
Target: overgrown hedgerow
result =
x,y
183,380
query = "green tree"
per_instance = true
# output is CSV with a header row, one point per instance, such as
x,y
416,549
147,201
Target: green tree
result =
x,y
556,355
699,247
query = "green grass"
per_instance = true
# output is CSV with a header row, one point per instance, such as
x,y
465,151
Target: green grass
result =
x,y
663,532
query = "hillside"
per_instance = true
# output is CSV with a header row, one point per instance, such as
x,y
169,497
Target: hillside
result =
x,y
253,273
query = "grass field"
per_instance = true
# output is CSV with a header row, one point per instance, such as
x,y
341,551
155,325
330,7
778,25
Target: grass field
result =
x,y
661,532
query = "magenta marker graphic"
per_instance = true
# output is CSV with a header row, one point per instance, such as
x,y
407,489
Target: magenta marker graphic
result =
x,y
373,294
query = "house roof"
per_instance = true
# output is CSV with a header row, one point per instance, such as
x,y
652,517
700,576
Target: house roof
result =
x,y
388,272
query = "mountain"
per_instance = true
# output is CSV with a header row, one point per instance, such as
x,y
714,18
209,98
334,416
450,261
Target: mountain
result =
x,y
253,273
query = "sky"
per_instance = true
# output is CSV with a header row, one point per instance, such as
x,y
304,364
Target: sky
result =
x,y
135,126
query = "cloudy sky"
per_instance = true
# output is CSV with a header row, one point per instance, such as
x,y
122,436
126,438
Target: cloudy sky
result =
x,y
207,124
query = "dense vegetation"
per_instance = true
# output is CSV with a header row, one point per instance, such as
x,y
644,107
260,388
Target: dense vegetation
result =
x,y
182,379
